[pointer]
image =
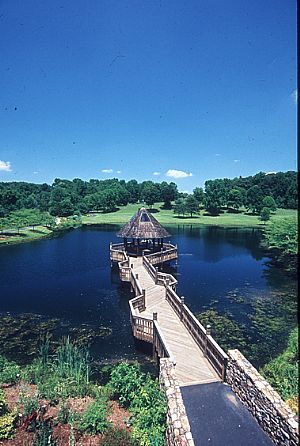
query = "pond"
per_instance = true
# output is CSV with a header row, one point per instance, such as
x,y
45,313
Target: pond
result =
x,y
68,281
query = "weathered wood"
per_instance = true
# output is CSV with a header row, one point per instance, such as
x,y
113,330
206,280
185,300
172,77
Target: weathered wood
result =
x,y
177,332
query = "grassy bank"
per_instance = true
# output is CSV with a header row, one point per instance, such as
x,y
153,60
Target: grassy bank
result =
x,y
167,217
11,236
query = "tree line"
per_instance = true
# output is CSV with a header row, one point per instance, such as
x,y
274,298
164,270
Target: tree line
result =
x,y
69,197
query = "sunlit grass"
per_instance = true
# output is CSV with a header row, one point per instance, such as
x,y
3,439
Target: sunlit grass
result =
x,y
167,217
11,236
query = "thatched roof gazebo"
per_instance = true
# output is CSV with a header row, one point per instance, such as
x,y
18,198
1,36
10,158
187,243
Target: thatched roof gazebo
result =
x,y
145,231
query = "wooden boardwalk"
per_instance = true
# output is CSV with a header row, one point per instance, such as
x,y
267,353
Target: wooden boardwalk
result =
x,y
191,365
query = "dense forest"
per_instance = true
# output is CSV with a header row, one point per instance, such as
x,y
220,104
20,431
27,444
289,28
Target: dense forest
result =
x,y
65,197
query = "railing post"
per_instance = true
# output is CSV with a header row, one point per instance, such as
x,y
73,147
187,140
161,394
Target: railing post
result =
x,y
136,276
181,307
208,332
155,316
144,299
156,274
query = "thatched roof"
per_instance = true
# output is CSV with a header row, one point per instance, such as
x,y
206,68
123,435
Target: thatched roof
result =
x,y
143,226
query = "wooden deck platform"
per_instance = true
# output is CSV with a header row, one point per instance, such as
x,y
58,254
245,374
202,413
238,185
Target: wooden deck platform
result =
x,y
191,365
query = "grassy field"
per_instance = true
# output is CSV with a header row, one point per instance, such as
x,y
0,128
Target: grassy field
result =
x,y
164,216
26,235
167,217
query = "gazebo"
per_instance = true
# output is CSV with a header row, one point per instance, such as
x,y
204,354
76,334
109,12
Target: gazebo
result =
x,y
144,232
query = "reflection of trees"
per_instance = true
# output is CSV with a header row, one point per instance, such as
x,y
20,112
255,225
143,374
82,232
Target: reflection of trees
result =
x,y
216,242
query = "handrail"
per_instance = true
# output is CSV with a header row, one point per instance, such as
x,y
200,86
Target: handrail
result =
x,y
161,345
146,328
211,349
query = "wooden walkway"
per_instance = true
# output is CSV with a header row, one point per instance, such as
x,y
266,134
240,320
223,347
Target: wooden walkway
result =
x,y
191,365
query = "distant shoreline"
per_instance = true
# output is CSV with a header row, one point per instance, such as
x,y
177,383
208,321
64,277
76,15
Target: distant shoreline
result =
x,y
165,217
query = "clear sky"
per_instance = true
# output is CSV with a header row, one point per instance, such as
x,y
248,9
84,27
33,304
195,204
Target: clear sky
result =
x,y
142,88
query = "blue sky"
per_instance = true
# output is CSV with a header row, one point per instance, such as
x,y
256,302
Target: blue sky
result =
x,y
147,89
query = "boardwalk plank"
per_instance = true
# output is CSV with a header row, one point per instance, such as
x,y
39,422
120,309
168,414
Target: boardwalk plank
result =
x,y
191,365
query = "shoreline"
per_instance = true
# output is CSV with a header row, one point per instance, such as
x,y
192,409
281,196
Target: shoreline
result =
x,y
165,218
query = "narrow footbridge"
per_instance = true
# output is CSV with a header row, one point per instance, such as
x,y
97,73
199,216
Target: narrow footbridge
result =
x,y
202,409
160,316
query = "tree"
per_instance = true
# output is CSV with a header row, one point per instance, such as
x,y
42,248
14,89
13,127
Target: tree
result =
x,y
265,214
108,200
199,195
150,194
236,198
191,205
134,190
254,199
180,208
168,193
215,196
269,202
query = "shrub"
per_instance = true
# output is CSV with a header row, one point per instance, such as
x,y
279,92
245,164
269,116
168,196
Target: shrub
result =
x,y
126,382
94,419
282,372
9,371
3,405
29,400
63,414
7,425
147,404
43,436
118,437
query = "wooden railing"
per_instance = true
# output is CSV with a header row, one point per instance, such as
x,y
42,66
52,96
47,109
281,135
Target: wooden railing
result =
x,y
168,252
160,344
159,277
212,351
146,328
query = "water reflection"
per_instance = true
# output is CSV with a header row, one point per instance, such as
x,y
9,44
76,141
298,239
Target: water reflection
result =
x,y
69,278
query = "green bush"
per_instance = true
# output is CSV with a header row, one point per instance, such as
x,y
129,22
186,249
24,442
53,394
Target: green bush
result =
x,y
6,419
94,419
3,405
63,414
43,436
118,437
9,371
146,403
7,425
126,382
282,372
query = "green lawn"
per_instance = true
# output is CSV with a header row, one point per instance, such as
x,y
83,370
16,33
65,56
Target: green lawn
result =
x,y
167,217
26,234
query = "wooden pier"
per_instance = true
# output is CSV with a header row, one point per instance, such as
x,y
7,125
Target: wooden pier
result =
x,y
161,317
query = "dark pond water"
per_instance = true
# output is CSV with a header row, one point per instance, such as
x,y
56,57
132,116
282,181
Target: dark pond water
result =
x,y
69,278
